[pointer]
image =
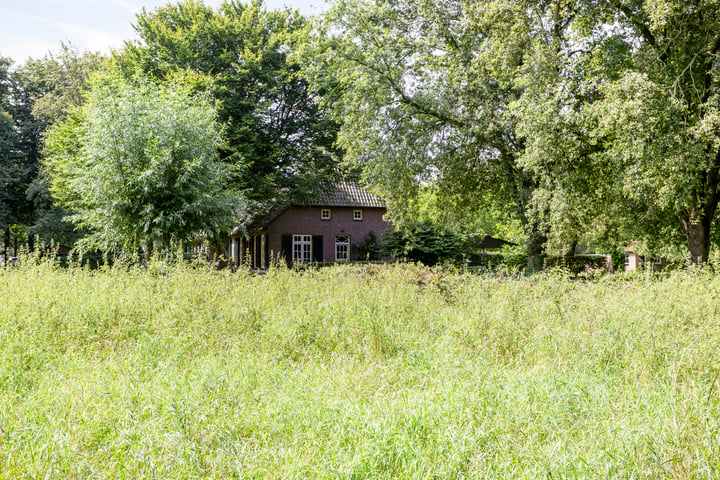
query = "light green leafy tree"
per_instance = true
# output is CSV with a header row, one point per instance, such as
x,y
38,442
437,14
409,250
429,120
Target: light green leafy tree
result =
x,y
48,89
423,90
663,112
138,167
576,198
621,113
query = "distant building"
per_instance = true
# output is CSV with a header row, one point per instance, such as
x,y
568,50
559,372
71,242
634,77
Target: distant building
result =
x,y
635,261
325,228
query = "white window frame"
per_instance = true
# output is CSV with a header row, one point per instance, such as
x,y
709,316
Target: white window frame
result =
x,y
357,215
262,251
235,250
325,214
342,248
301,248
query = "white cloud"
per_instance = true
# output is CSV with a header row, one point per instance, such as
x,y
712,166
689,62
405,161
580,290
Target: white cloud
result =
x,y
20,49
129,7
89,38
32,28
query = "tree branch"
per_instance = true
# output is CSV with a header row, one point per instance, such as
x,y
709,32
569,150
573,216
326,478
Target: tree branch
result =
x,y
640,25
404,97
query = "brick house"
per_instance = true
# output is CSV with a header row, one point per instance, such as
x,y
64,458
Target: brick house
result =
x,y
635,261
325,229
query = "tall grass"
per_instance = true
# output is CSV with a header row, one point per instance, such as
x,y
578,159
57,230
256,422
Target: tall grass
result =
x,y
356,372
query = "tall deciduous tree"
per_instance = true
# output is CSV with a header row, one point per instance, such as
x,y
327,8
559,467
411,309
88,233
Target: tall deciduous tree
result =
x,y
624,113
49,88
576,196
6,152
6,177
17,159
663,112
276,132
423,90
138,166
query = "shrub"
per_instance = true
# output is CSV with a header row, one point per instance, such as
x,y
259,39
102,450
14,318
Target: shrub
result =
x,y
425,242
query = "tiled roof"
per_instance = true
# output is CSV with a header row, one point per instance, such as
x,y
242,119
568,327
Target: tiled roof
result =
x,y
337,194
343,194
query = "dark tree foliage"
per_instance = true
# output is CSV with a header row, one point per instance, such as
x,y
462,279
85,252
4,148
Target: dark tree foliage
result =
x,y
424,242
19,151
276,132
34,96
53,85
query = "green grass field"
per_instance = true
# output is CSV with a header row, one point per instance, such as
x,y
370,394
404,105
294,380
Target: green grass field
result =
x,y
356,372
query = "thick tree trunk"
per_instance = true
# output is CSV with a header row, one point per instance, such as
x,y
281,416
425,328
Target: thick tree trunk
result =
x,y
535,251
697,220
697,232
521,188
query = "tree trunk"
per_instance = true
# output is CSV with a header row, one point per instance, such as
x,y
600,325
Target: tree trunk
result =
x,y
570,252
697,225
697,232
535,251
6,243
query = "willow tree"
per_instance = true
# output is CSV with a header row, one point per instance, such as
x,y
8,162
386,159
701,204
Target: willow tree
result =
x,y
137,166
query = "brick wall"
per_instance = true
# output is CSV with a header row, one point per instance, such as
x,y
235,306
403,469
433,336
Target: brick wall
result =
x,y
307,221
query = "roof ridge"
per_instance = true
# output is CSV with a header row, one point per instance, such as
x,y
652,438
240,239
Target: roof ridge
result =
x,y
344,193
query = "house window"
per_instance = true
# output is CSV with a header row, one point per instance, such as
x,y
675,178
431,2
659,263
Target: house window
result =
x,y
325,214
235,251
357,214
301,248
342,248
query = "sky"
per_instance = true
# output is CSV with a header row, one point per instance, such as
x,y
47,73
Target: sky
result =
x,y
32,28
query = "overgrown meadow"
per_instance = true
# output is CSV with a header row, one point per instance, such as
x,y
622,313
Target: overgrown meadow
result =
x,y
356,372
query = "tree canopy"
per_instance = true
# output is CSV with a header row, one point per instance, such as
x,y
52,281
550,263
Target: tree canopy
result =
x,y
422,91
276,132
52,86
593,120
556,122
137,166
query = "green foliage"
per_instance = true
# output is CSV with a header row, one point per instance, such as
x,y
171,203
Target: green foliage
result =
x,y
18,155
32,97
424,242
618,110
439,207
595,121
370,248
137,166
365,372
58,82
277,135
423,91
6,143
